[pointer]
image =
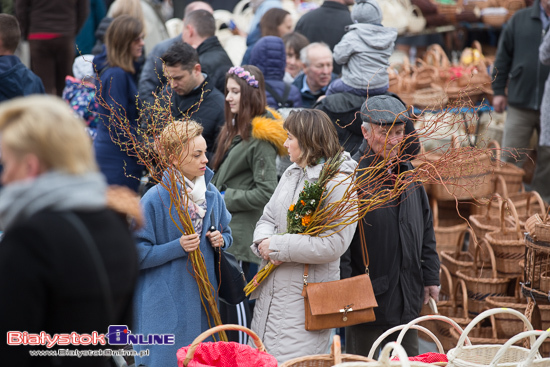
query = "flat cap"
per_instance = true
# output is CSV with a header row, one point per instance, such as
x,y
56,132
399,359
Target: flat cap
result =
x,y
384,110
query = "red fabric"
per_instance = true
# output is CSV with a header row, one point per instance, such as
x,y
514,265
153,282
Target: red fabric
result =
x,y
43,36
427,358
226,354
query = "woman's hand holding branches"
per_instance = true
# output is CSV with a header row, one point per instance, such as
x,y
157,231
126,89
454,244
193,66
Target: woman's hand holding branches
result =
x,y
263,248
190,242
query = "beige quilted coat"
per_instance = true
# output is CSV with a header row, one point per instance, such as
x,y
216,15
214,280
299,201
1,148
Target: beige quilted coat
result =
x,y
279,311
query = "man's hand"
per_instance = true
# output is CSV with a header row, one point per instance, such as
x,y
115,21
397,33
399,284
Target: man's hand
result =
x,y
431,291
500,103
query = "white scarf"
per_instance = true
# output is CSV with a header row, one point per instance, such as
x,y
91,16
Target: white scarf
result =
x,y
197,196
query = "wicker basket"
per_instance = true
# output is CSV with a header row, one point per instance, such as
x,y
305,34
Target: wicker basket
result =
x,y
480,335
439,319
457,311
326,360
512,174
447,231
432,98
482,355
484,223
425,75
538,228
471,178
527,204
403,329
536,262
495,19
185,355
508,245
385,359
483,282
507,325
458,260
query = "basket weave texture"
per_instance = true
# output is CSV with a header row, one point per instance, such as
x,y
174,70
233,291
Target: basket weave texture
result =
x,y
326,360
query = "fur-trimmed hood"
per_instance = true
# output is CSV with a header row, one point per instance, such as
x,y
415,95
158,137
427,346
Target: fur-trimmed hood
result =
x,y
269,127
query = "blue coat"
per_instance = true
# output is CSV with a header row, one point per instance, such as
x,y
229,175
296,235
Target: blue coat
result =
x,y
16,79
118,90
269,55
167,297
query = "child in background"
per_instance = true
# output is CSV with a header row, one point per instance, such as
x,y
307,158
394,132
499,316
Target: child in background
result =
x,y
364,52
79,92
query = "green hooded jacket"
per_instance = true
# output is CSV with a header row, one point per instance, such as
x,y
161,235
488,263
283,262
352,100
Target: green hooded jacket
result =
x,y
249,177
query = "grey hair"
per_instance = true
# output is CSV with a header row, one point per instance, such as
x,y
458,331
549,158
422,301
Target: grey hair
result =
x,y
367,126
304,52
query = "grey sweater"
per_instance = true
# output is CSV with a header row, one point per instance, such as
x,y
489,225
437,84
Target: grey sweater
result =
x,y
364,52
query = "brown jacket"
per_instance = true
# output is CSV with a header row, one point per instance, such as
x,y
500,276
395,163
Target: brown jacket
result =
x,y
65,17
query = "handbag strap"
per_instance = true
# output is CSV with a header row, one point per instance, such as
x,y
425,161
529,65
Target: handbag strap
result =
x,y
364,252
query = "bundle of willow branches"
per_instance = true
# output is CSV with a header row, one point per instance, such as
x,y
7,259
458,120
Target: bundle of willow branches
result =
x,y
144,142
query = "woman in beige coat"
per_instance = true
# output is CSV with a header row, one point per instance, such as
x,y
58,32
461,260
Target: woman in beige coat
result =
x,y
279,316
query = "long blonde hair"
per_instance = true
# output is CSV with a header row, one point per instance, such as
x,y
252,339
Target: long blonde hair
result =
x,y
46,127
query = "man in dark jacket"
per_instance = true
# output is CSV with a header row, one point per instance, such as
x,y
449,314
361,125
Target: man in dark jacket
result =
x,y
326,24
399,237
314,81
187,86
517,68
199,27
15,78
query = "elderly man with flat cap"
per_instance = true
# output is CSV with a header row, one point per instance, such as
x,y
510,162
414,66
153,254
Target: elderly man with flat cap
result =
x,y
400,239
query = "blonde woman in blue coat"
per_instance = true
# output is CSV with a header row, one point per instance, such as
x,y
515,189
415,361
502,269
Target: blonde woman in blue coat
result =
x,y
167,299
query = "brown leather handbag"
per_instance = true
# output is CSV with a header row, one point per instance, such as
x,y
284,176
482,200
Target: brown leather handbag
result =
x,y
339,303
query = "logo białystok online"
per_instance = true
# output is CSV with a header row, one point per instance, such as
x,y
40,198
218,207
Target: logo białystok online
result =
x,y
116,335
120,335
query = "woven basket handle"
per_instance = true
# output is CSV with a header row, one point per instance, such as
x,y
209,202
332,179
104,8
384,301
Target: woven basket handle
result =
x,y
191,352
508,203
540,202
494,144
500,180
492,258
387,333
453,354
473,238
426,318
459,243
525,334
393,346
535,348
443,269
461,284
336,350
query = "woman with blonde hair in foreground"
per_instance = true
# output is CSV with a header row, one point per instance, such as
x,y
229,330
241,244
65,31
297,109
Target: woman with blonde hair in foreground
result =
x,y
67,263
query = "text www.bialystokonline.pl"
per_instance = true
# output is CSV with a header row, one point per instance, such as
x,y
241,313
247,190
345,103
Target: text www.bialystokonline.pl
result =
x,y
88,353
